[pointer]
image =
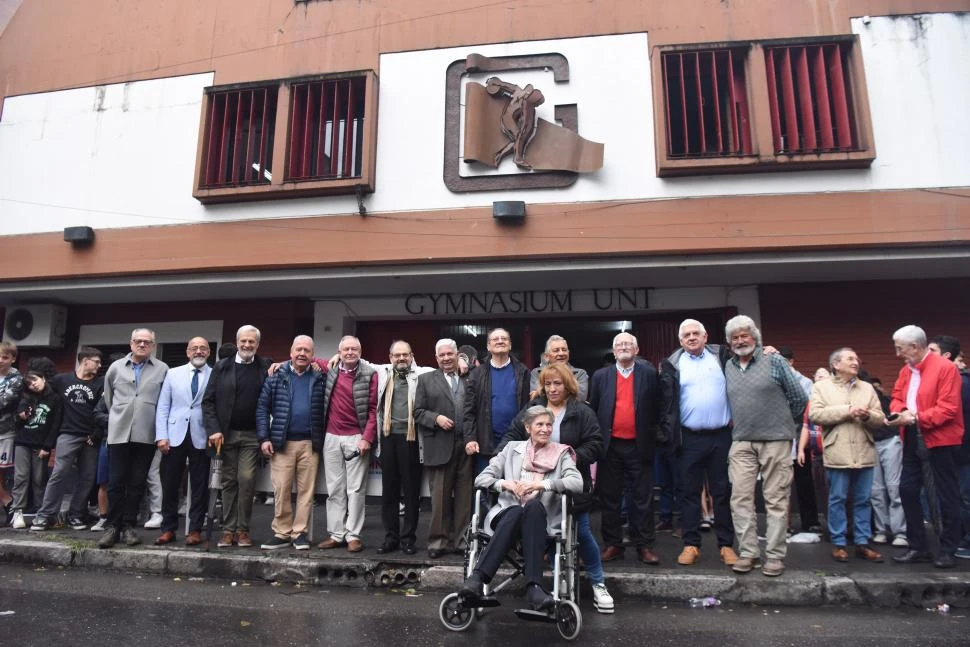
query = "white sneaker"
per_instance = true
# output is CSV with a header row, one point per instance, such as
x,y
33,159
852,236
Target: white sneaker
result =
x,y
602,599
99,527
18,520
900,541
271,500
879,538
155,521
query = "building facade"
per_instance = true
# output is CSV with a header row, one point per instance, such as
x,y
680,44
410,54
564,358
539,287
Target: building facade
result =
x,y
307,167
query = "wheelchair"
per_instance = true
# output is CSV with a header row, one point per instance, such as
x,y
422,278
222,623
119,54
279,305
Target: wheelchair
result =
x,y
457,615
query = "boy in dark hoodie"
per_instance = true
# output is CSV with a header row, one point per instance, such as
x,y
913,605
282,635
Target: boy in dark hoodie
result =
x,y
37,422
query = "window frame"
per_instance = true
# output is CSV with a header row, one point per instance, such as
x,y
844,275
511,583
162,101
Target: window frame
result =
x,y
281,185
763,157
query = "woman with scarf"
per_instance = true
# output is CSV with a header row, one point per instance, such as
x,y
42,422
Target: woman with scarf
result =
x,y
528,475
574,424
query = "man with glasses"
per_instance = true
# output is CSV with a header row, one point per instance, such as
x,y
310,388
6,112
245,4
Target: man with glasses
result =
x,y
496,392
351,410
131,388
180,436
626,399
78,442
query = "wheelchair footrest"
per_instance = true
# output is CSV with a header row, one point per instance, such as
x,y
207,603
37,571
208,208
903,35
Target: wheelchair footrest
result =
x,y
480,603
539,616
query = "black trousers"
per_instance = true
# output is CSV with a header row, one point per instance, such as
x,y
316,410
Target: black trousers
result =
x,y
805,493
704,457
400,473
623,459
128,465
527,523
943,462
170,468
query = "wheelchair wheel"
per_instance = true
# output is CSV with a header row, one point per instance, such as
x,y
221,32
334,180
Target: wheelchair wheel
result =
x,y
569,620
453,615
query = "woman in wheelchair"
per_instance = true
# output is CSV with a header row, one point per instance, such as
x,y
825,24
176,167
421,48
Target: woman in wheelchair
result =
x,y
528,475
574,424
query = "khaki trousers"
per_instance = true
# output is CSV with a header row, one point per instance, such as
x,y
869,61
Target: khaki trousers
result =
x,y
772,459
295,461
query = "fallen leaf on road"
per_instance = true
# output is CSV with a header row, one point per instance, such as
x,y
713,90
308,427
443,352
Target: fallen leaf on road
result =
x,y
7,613
244,623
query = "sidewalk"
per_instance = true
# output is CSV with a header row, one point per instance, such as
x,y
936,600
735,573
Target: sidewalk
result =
x,y
811,578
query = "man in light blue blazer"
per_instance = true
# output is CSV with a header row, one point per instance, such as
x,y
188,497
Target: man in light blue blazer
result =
x,y
180,436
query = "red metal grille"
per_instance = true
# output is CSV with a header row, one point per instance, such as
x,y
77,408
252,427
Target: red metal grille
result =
x,y
239,137
706,103
810,98
326,129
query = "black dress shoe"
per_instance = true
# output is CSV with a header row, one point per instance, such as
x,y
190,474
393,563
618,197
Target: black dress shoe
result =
x,y
945,560
913,557
408,548
538,599
435,553
387,547
473,588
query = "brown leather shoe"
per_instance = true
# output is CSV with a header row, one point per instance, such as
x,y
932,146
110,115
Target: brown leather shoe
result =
x,y
840,554
868,554
354,546
166,537
329,543
728,556
689,556
225,541
194,538
243,540
647,556
610,553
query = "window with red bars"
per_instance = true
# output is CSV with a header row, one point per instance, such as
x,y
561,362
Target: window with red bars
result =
x,y
238,144
706,103
810,97
326,129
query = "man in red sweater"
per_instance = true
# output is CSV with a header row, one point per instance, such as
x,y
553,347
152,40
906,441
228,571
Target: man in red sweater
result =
x,y
926,398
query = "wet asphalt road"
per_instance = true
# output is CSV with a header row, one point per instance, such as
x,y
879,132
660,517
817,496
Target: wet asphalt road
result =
x,y
75,607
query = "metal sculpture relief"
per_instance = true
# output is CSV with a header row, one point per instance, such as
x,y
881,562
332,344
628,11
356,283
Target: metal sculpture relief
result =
x,y
500,118
519,119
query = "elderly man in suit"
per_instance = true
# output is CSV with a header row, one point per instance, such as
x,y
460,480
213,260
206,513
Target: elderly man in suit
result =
x,y
626,399
438,407
180,436
131,388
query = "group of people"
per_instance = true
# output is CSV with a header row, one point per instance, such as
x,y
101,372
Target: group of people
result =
x,y
725,417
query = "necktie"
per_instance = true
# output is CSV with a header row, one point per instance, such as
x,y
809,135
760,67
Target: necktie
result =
x,y
454,383
195,382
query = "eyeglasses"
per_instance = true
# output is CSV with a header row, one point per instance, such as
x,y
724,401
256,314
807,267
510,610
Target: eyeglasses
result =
x,y
143,342
623,344
197,348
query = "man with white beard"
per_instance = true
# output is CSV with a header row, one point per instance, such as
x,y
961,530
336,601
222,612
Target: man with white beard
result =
x,y
180,436
767,405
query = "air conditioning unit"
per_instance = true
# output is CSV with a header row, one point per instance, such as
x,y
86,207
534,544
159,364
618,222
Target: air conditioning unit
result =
x,y
37,326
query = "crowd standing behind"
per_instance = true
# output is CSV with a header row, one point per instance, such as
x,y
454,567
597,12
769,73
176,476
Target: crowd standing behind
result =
x,y
723,419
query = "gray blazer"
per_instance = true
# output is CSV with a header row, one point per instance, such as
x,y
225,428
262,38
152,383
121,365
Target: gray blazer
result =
x,y
507,464
432,398
131,410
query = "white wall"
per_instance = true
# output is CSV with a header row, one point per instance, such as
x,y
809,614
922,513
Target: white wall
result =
x,y
131,163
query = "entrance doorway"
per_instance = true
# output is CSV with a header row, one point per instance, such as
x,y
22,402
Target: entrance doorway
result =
x,y
590,338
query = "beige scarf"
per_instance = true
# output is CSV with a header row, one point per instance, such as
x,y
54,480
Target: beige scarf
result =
x,y
388,397
539,461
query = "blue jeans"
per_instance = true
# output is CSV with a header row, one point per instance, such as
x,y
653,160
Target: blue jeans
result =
x,y
666,475
860,483
589,550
